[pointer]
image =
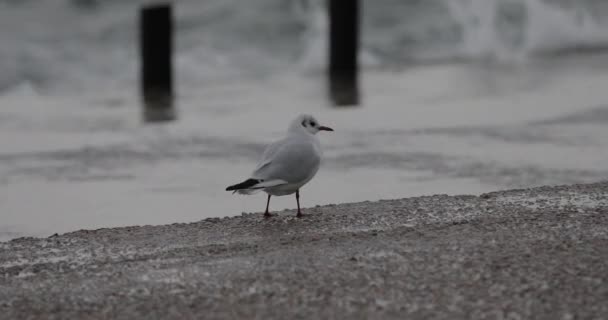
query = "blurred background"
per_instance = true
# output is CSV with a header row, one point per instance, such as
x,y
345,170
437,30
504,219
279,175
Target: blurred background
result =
x,y
457,97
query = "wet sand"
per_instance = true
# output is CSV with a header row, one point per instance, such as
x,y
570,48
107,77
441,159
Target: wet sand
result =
x,y
521,254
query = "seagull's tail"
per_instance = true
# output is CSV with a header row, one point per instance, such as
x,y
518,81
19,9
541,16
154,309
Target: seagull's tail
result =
x,y
251,186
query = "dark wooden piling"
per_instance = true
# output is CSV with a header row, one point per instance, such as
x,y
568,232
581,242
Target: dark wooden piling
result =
x,y
343,51
156,32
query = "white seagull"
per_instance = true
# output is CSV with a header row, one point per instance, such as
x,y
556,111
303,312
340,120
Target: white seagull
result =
x,y
287,164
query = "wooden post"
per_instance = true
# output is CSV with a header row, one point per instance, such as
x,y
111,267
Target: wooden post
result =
x,y
156,31
343,51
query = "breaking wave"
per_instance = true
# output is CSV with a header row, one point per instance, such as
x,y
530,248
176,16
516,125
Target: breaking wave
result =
x,y
51,44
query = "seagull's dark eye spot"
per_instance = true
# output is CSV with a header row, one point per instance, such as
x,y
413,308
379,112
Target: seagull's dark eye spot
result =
x,y
312,123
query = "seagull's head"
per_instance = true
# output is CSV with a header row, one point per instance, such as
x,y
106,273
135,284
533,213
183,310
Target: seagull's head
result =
x,y
307,123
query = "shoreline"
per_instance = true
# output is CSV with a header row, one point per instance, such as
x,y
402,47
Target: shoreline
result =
x,y
529,253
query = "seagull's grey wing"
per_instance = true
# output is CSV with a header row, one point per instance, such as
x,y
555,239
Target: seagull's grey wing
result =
x,y
267,156
293,161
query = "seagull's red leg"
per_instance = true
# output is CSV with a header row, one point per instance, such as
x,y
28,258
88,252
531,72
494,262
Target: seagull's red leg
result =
x,y
299,215
267,214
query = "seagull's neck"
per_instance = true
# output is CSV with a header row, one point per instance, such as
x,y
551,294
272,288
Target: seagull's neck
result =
x,y
300,133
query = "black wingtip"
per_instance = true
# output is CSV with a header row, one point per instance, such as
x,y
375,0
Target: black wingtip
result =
x,y
243,185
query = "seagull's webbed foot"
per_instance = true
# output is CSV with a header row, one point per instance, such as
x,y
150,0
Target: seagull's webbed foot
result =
x,y
266,213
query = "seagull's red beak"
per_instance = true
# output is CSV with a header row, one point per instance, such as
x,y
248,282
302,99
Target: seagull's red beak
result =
x,y
323,128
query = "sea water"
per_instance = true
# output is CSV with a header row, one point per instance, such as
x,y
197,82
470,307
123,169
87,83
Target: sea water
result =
x,y
458,97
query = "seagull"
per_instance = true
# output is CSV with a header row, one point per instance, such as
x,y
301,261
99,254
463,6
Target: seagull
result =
x,y
287,164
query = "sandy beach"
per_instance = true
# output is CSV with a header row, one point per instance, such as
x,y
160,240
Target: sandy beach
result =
x,y
535,253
